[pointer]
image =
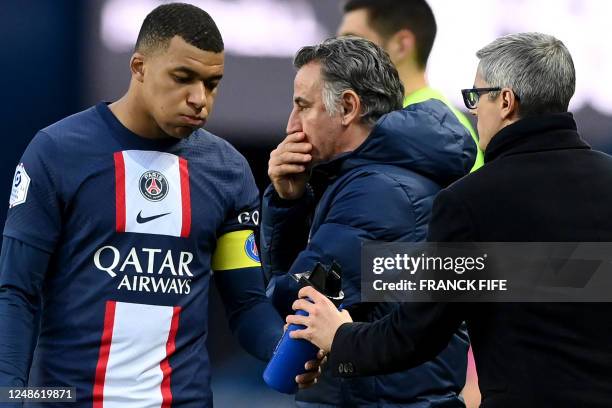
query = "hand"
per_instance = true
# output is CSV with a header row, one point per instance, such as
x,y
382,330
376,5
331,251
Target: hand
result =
x,y
313,368
323,318
288,164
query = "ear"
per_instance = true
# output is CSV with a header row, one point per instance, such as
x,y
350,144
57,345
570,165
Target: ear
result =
x,y
401,45
509,104
351,107
137,66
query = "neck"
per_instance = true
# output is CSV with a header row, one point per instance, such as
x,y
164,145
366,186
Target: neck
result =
x,y
129,110
354,136
412,77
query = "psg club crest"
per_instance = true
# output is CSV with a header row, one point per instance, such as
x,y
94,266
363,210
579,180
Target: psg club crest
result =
x,y
153,185
251,248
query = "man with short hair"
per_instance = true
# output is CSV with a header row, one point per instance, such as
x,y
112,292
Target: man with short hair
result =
x,y
353,168
117,216
540,183
406,30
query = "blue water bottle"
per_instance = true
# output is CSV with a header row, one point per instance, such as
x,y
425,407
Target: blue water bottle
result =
x,y
291,355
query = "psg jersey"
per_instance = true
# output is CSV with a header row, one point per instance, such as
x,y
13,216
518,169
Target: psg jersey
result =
x,y
132,225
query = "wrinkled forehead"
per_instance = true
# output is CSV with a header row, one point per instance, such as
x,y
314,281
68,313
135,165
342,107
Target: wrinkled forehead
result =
x,y
308,80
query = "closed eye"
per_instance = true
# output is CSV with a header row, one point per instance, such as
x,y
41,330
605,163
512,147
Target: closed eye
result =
x,y
181,79
211,85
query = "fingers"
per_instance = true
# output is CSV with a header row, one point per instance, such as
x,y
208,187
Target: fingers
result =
x,y
293,143
303,304
288,166
313,294
285,169
307,379
289,158
312,365
313,372
291,154
297,319
295,137
303,147
316,364
300,334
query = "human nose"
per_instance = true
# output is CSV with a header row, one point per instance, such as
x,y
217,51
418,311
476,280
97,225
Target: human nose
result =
x,y
197,96
293,124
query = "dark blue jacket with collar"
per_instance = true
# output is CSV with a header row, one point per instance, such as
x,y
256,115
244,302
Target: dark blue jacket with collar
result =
x,y
381,191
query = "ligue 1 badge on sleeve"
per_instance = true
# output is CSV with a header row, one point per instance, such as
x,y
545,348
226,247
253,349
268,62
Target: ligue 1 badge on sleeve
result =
x,y
21,183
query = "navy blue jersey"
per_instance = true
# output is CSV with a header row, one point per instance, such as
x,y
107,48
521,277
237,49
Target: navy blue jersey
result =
x,y
132,225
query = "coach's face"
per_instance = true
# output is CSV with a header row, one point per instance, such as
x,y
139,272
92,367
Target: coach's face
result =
x,y
493,114
323,131
179,86
487,114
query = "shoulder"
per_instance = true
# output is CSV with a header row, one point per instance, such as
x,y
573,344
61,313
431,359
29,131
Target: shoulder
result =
x,y
223,166
212,148
367,181
384,182
480,182
370,194
86,122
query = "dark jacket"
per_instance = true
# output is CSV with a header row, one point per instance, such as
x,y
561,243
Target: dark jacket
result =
x,y
541,182
383,191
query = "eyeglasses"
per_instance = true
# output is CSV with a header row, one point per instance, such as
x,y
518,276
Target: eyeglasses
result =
x,y
471,96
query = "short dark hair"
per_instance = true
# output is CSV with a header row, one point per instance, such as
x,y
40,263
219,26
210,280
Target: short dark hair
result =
x,y
355,63
389,16
189,22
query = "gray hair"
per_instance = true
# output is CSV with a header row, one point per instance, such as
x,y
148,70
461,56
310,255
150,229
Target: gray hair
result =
x,y
537,67
352,63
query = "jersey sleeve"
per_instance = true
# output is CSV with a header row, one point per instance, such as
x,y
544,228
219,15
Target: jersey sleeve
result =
x,y
238,235
34,215
239,277
22,270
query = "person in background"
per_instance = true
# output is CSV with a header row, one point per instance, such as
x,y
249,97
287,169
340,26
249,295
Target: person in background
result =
x,y
406,30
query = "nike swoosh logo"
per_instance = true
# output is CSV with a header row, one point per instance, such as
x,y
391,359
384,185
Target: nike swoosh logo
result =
x,y
141,220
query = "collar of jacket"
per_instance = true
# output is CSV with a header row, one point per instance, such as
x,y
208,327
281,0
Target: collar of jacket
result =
x,y
324,174
424,138
534,134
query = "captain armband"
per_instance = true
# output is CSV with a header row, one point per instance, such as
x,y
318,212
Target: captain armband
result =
x,y
236,250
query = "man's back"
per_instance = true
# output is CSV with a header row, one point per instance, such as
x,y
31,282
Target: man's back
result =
x,y
540,183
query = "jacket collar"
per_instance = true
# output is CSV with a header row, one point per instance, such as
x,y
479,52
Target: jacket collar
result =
x,y
533,134
424,138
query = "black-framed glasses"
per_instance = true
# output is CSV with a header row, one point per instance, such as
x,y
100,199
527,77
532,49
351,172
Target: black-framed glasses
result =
x,y
472,95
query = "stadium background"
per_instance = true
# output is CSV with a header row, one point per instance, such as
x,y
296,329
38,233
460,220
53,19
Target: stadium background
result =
x,y
59,57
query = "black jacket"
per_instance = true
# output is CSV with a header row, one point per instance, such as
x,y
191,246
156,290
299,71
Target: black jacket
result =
x,y
540,182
